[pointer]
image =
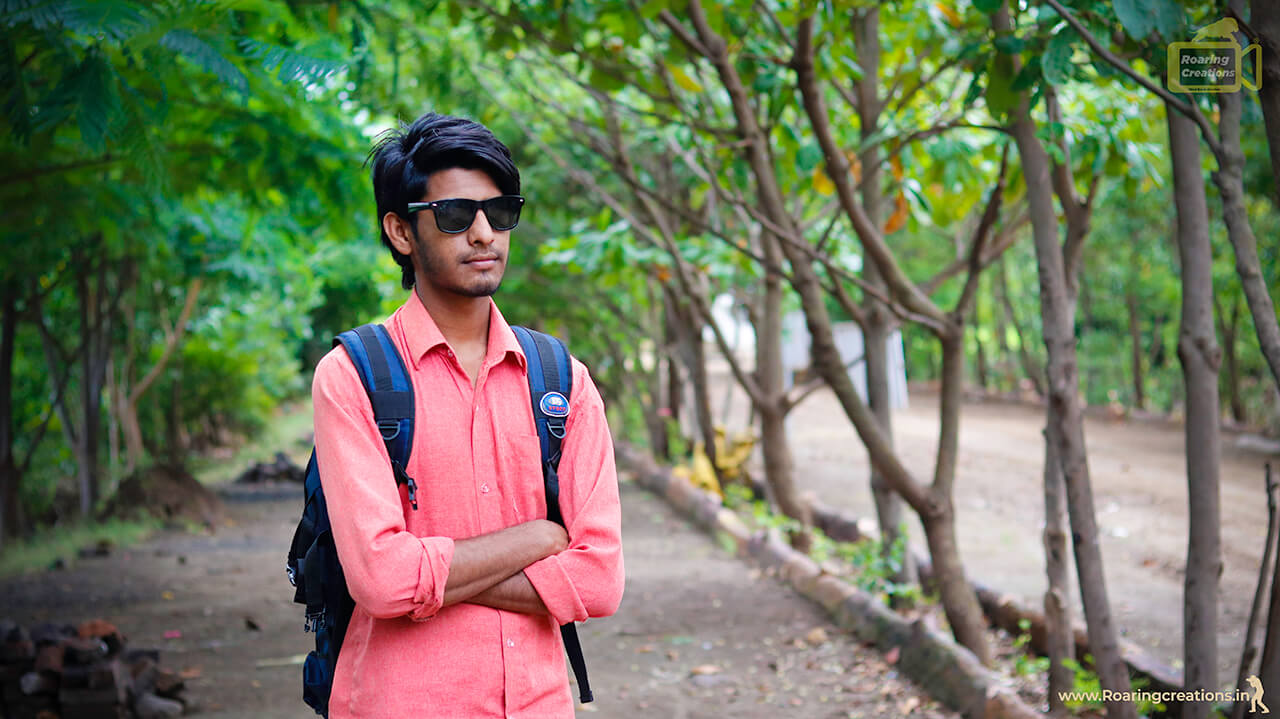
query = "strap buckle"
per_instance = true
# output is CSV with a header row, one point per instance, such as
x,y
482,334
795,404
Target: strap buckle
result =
x,y
389,429
555,425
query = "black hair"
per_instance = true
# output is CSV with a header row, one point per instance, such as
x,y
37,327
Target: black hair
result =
x,y
405,157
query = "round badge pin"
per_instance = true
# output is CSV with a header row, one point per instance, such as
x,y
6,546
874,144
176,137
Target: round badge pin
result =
x,y
554,404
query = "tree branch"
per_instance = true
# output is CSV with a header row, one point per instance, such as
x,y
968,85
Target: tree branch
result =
x,y
1191,110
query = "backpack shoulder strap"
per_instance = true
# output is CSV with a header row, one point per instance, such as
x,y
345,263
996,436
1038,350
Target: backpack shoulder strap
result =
x,y
386,379
550,387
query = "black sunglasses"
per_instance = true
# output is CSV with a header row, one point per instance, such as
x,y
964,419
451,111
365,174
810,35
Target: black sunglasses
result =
x,y
456,215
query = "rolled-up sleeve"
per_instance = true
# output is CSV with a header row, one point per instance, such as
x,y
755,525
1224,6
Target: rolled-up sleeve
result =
x,y
389,571
586,579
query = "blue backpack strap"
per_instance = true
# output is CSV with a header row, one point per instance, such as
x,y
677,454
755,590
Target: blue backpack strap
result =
x,y
386,379
550,386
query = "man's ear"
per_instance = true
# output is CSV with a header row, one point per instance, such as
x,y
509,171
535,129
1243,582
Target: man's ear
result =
x,y
399,232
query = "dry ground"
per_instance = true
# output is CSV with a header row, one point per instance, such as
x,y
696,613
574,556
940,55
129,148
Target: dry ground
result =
x,y
688,606
1140,491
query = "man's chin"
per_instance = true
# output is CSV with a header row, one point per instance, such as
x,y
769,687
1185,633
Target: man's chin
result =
x,y
481,289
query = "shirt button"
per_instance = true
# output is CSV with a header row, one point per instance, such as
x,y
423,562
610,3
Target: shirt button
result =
x,y
484,488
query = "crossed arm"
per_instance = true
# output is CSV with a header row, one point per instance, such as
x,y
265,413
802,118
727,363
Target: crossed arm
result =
x,y
489,569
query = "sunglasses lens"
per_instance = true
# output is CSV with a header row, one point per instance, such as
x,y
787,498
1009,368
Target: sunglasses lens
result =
x,y
454,215
503,212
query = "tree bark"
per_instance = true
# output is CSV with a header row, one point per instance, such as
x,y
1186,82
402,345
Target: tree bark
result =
x,y
1067,433
1135,348
1200,357
933,505
1059,633
1265,20
1031,369
134,450
1230,182
10,476
878,324
1227,328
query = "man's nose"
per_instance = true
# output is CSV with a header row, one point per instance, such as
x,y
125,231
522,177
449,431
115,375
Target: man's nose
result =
x,y
481,231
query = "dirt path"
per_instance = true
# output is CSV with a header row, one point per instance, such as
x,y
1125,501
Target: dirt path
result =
x,y
1139,479
688,605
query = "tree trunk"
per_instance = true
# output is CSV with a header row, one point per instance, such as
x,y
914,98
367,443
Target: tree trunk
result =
x,y
1135,348
1059,634
1200,357
10,476
779,464
1031,369
1230,181
879,323
1228,327
90,390
1265,20
693,356
1067,433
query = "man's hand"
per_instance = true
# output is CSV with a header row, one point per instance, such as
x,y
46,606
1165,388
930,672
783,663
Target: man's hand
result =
x,y
483,562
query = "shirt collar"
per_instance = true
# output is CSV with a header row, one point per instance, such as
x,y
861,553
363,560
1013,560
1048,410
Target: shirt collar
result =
x,y
422,334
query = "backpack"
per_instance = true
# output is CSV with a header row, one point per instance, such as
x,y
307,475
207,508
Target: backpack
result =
x,y
313,566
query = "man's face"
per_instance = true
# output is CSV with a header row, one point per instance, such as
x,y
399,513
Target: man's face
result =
x,y
469,263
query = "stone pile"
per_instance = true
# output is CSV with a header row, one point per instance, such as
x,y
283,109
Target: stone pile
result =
x,y
87,672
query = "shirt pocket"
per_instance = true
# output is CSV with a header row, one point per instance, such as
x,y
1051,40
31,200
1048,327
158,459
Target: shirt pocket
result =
x,y
520,474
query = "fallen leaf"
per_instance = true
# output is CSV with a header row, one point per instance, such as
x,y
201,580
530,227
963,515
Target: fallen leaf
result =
x,y
673,655
704,669
891,656
191,672
817,637
908,706
166,595
645,649
251,625
295,660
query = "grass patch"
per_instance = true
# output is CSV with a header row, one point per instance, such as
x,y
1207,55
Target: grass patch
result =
x,y
286,431
49,545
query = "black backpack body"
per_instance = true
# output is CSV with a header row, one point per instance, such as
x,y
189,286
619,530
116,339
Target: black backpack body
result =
x,y
313,566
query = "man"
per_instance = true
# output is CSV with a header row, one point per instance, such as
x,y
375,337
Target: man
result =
x,y
458,602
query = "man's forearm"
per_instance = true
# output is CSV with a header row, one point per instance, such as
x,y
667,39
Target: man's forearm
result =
x,y
481,563
514,594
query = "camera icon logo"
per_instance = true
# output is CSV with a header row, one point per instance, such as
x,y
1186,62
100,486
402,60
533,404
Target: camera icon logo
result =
x,y
1213,61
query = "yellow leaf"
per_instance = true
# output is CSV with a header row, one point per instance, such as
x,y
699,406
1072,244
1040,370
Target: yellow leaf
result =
x,y
895,166
899,217
951,15
683,80
855,165
821,183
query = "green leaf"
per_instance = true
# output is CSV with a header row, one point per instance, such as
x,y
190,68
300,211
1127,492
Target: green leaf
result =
x,y
289,64
1056,63
1010,44
1170,18
206,57
988,6
1028,76
97,102
1136,16
1001,97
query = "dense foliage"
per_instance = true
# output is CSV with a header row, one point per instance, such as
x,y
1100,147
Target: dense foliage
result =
x,y
164,154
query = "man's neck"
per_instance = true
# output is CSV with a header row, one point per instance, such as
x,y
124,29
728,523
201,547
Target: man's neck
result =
x,y
463,321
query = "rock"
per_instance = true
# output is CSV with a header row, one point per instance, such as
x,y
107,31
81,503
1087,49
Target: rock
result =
x,y
150,706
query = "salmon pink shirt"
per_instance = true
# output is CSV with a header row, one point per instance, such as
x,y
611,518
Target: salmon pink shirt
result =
x,y
477,464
